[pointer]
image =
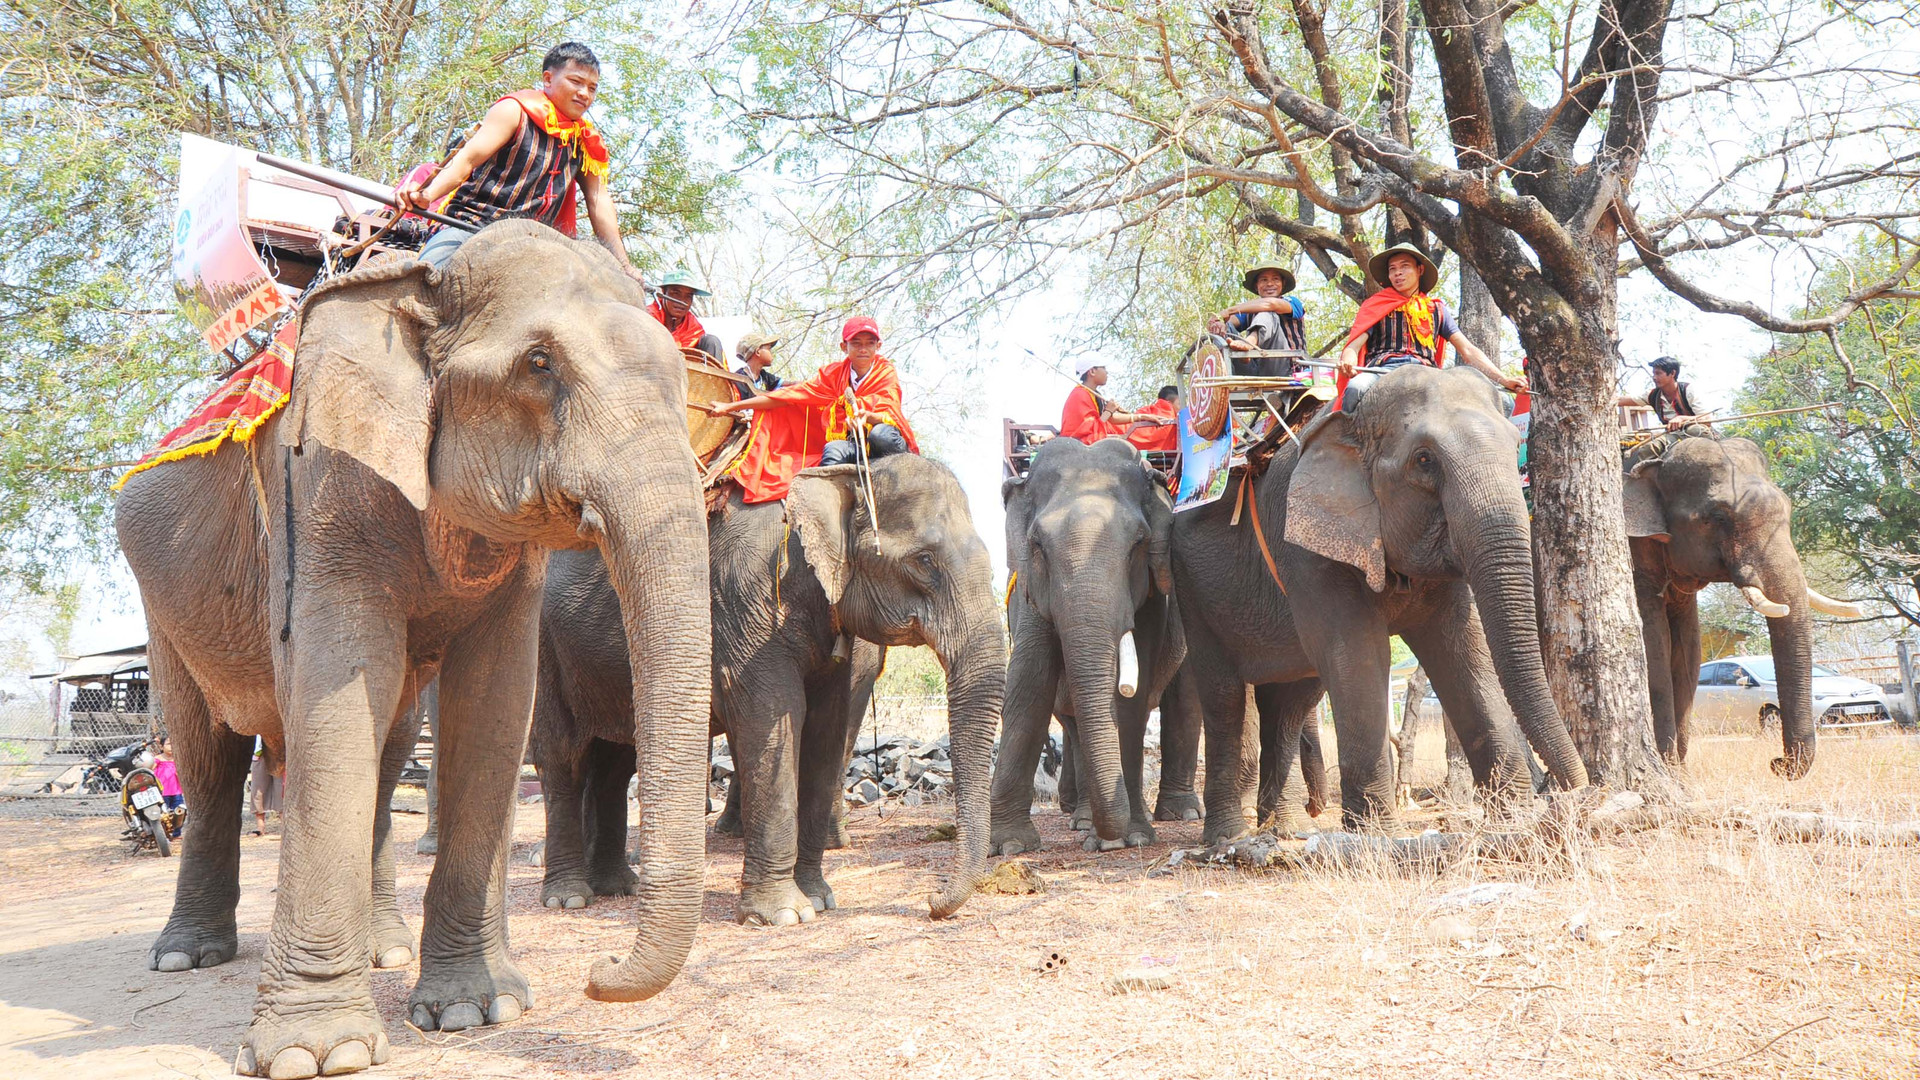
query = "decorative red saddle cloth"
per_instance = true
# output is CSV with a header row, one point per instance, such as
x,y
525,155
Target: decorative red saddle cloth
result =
x,y
246,400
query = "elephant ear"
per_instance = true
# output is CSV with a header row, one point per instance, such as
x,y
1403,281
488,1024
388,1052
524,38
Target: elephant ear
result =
x,y
1646,517
820,505
1159,511
1331,510
360,380
1018,502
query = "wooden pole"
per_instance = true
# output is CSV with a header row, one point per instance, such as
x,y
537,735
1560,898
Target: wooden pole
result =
x,y
1902,650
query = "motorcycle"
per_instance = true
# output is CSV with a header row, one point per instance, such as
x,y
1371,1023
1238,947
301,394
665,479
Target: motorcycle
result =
x,y
149,819
106,775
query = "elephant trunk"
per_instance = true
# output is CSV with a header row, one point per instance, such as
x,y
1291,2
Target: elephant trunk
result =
x,y
654,540
1495,545
1790,629
976,684
1092,660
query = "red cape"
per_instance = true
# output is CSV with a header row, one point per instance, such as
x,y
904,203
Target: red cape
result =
x,y
791,437
1147,437
1378,306
688,334
1080,419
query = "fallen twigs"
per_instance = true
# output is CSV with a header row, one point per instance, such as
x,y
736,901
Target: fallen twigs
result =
x,y
1808,827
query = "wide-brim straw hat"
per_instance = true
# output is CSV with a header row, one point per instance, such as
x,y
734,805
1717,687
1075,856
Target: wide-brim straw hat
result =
x,y
1252,276
1429,273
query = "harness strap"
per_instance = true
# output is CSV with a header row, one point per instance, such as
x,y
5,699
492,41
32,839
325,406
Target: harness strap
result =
x,y
1246,484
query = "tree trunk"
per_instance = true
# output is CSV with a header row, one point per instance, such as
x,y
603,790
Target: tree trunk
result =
x,y
1459,784
1480,317
1589,625
1403,739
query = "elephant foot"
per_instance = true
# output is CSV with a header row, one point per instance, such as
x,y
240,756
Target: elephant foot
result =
x,y
392,940
1139,834
457,996
728,823
1185,807
311,1042
837,835
814,884
1015,838
428,844
614,880
1082,821
183,946
570,891
774,903
1224,828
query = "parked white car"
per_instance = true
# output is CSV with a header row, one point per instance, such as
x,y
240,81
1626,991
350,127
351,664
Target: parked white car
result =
x,y
1738,690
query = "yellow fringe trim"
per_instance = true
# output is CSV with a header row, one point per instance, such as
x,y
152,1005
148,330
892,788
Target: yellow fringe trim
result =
x,y
239,432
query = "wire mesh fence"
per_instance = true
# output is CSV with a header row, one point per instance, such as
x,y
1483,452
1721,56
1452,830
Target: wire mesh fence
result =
x,y
44,758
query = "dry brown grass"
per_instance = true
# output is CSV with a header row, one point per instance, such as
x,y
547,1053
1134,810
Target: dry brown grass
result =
x,y
1701,947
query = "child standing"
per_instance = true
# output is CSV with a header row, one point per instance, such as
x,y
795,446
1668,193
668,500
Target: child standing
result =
x,y
168,773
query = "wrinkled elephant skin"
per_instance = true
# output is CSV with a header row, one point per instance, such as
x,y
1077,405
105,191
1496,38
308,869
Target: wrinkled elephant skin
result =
x,y
783,680
446,429
1706,511
1402,517
1096,636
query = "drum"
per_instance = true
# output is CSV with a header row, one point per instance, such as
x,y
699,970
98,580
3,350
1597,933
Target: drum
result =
x,y
710,384
1208,404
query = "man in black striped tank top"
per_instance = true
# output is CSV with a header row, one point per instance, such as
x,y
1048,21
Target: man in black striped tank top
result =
x,y
529,157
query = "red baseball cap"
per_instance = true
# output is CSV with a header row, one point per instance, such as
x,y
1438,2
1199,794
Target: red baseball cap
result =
x,y
857,325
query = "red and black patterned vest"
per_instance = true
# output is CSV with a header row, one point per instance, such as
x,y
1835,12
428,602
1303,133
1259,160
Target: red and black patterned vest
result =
x,y
529,177
1390,337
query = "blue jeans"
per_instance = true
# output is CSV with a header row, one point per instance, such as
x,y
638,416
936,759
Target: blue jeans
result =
x,y
883,440
442,244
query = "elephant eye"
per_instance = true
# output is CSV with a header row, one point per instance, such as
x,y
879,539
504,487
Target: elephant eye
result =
x,y
1424,459
541,361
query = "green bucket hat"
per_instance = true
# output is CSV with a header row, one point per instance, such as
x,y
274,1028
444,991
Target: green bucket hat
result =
x,y
1253,275
1429,273
680,275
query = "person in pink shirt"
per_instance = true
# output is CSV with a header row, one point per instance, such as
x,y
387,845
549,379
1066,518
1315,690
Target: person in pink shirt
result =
x,y
167,772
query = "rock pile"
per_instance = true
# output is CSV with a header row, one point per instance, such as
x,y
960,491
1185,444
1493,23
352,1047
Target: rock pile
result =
x,y
895,766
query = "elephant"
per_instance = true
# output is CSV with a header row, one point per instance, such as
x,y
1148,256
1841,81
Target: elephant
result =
x,y
1701,509
1096,635
1393,517
392,523
792,582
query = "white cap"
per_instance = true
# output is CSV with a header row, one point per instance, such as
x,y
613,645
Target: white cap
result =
x,y
1086,364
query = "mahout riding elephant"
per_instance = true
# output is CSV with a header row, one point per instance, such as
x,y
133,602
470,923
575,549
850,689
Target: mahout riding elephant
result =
x,y
1705,510
1395,518
793,582
1096,635
444,431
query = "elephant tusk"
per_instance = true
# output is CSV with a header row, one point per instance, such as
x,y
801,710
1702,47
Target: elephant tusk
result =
x,y
1129,666
1759,602
1827,605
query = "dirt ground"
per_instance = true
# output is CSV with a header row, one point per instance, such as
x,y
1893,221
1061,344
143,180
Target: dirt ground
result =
x,y
1678,952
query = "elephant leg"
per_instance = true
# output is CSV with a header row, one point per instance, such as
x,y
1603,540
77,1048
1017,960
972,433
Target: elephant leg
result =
x,y
1683,637
609,766
392,939
728,823
213,763
869,660
1179,751
429,842
1459,663
764,724
1352,655
1033,678
823,741
1223,705
1313,761
560,758
1286,713
1132,722
486,705
1656,630
315,1011
1073,754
